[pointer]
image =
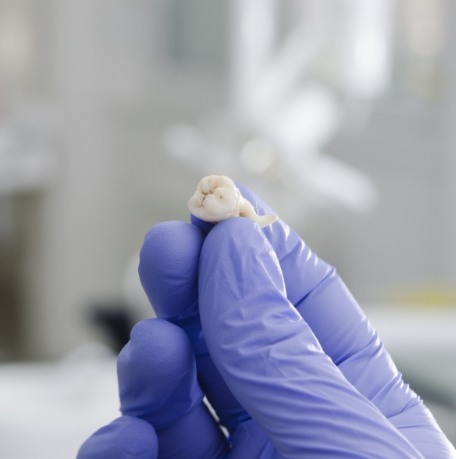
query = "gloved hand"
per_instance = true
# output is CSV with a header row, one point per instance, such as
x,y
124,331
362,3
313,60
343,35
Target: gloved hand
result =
x,y
270,334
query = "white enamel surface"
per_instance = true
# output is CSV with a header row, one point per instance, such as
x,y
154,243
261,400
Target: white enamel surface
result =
x,y
217,198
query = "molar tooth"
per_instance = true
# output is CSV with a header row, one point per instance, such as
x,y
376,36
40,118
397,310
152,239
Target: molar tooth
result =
x,y
217,198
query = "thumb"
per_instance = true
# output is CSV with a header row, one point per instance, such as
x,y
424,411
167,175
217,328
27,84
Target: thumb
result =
x,y
271,360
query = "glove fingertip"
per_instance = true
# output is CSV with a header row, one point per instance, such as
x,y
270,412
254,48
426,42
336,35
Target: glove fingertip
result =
x,y
157,374
168,267
126,437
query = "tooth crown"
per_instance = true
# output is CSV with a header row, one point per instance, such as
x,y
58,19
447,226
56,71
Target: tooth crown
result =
x,y
217,198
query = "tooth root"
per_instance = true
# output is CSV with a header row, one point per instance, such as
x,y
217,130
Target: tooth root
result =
x,y
265,220
246,210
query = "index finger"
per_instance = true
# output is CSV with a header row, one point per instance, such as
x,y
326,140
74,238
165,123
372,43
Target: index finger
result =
x,y
346,336
271,360
323,300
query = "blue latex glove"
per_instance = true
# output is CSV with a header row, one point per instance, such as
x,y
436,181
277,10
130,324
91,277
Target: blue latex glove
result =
x,y
269,332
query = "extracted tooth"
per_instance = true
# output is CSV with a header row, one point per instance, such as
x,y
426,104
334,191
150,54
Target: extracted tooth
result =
x,y
217,198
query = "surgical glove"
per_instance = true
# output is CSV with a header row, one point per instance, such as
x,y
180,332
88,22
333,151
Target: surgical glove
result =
x,y
269,332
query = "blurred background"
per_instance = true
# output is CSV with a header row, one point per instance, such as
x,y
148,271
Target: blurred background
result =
x,y
341,114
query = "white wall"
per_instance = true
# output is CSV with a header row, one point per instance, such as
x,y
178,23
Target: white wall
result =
x,y
397,247
116,93
113,180
449,191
